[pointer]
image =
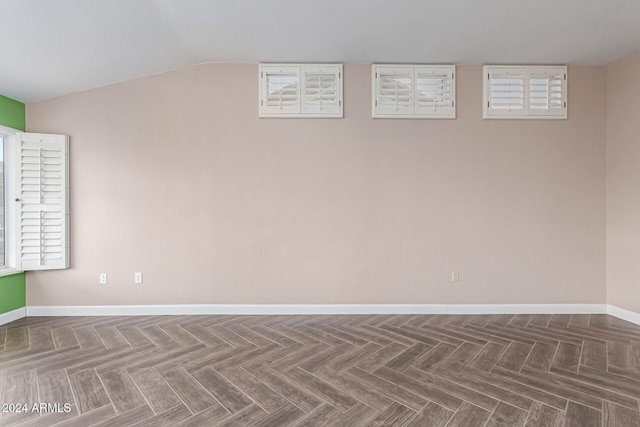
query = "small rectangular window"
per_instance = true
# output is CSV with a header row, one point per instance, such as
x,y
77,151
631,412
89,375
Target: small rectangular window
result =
x,y
414,91
525,92
300,90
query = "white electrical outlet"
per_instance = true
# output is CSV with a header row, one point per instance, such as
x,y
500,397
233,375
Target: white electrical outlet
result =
x,y
455,276
103,278
137,277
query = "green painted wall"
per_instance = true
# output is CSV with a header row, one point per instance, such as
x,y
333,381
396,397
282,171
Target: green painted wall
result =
x,y
12,113
12,292
12,288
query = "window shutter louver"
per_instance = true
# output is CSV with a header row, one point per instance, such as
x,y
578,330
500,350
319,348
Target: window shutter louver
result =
x,y
281,90
322,90
525,92
435,91
43,202
546,92
394,90
506,91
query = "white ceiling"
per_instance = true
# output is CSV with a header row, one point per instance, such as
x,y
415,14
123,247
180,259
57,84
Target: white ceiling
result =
x,y
50,48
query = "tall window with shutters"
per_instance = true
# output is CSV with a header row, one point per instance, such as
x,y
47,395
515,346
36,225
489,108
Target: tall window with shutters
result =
x,y
413,91
2,204
8,223
42,201
34,207
525,92
300,90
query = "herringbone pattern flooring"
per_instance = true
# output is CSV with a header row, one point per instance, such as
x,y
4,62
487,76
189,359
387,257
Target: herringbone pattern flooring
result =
x,y
392,370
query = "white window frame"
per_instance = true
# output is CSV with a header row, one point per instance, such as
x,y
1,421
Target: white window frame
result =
x,y
10,217
525,71
413,111
300,110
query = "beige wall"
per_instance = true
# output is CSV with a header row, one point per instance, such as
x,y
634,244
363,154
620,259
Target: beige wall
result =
x,y
174,175
623,183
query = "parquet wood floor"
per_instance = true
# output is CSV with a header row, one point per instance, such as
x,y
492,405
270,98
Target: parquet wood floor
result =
x,y
374,370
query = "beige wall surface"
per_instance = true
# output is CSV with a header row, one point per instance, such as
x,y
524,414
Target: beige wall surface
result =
x,y
623,183
175,176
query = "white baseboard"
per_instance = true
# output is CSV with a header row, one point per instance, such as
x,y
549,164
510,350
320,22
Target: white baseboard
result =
x,y
623,314
12,315
284,309
249,309
290,309
527,309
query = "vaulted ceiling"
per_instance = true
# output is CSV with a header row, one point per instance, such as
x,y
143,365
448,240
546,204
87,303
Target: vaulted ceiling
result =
x,y
51,48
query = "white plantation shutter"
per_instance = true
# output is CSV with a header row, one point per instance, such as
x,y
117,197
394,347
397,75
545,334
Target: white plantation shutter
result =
x,y
43,201
394,91
414,91
280,90
547,92
435,91
506,91
526,92
322,90
300,90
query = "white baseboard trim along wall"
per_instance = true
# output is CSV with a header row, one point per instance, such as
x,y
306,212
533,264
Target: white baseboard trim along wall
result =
x,y
291,309
12,315
623,314
138,310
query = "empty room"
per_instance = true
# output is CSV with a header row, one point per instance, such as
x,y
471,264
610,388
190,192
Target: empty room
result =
x,y
332,213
